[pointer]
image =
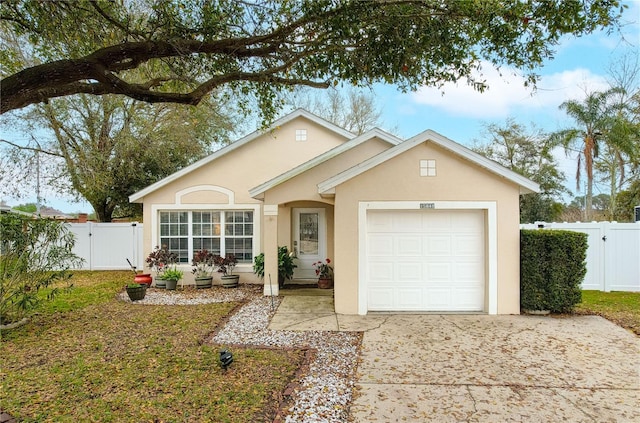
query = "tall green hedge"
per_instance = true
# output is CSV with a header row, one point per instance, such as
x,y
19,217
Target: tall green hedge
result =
x,y
552,267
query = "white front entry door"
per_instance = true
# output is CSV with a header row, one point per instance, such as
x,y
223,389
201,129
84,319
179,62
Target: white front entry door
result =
x,y
309,240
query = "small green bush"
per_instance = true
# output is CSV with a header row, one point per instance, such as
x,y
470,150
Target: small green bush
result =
x,y
34,254
286,265
552,267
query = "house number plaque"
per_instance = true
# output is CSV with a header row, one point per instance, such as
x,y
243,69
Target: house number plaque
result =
x,y
427,205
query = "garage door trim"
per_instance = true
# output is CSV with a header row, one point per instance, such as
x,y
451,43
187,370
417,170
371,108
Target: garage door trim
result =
x,y
491,235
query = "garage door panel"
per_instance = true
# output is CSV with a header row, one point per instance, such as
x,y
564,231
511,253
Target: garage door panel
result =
x,y
380,245
469,271
438,272
467,244
437,299
381,299
436,222
406,223
469,299
380,222
409,298
381,272
437,246
408,245
426,260
409,271
467,220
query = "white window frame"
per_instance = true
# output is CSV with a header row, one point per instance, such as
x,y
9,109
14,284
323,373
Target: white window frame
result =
x,y
255,208
428,167
301,134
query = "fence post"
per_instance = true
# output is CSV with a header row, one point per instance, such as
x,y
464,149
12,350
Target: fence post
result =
x,y
604,257
91,249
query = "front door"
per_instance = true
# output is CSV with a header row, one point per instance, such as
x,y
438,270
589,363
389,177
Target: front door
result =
x,y
309,241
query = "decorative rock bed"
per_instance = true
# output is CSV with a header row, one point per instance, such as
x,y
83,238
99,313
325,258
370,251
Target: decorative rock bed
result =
x,y
324,392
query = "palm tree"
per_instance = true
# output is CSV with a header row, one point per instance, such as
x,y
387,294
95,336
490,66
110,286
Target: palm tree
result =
x,y
596,116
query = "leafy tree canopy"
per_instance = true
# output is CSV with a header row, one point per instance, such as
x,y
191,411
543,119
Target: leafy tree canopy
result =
x,y
187,48
529,152
106,148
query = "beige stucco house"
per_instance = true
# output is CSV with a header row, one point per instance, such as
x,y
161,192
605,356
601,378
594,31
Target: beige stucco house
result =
x,y
423,224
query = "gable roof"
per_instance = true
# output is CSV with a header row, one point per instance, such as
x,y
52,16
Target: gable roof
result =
x,y
526,185
239,143
373,133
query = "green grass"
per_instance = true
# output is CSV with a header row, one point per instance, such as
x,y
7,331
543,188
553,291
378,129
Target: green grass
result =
x,y
622,308
87,356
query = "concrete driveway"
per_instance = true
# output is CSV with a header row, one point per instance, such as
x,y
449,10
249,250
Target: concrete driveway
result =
x,y
478,368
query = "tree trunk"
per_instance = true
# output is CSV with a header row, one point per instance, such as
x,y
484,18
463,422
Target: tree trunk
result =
x,y
103,211
588,209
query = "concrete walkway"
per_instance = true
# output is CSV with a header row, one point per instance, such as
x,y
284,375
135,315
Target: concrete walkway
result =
x,y
479,368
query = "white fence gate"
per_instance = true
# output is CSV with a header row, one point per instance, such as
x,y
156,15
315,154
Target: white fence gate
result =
x,y
613,255
107,246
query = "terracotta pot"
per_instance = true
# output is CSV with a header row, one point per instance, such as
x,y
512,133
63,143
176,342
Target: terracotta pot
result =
x,y
325,283
143,279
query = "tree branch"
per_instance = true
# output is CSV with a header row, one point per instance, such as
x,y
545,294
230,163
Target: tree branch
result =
x,y
28,148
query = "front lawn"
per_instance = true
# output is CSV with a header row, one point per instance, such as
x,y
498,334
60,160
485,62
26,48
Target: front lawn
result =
x,y
622,308
90,357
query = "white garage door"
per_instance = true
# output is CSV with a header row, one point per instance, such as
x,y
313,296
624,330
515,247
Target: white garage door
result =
x,y
425,260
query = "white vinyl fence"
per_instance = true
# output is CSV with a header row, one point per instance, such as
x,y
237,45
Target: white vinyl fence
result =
x,y
613,256
107,246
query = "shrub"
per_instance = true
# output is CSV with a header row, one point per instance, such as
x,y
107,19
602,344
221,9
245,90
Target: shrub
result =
x,y
34,253
552,267
286,264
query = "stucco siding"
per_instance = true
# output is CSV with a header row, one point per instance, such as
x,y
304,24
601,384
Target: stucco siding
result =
x,y
227,180
305,186
399,179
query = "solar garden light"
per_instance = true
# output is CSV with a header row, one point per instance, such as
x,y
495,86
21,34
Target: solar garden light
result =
x,y
226,358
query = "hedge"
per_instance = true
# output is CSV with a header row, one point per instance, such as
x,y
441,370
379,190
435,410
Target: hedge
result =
x,y
552,267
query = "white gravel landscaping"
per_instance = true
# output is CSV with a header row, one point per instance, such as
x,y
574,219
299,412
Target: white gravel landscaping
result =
x,y
325,390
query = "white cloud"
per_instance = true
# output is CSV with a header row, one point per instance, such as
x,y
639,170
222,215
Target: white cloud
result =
x,y
507,93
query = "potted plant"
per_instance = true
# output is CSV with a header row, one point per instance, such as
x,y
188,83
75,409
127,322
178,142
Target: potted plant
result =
x,y
203,267
225,266
171,277
325,274
285,265
136,291
159,260
140,278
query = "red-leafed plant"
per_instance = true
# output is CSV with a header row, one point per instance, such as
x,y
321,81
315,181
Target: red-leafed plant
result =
x,y
226,264
203,264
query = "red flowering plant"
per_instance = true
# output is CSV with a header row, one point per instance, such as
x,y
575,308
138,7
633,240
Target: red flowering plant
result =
x,y
323,269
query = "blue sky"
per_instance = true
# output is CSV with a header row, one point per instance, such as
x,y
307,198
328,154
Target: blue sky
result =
x,y
580,64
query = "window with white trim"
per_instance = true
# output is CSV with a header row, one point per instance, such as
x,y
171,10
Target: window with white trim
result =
x,y
301,134
427,167
222,232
